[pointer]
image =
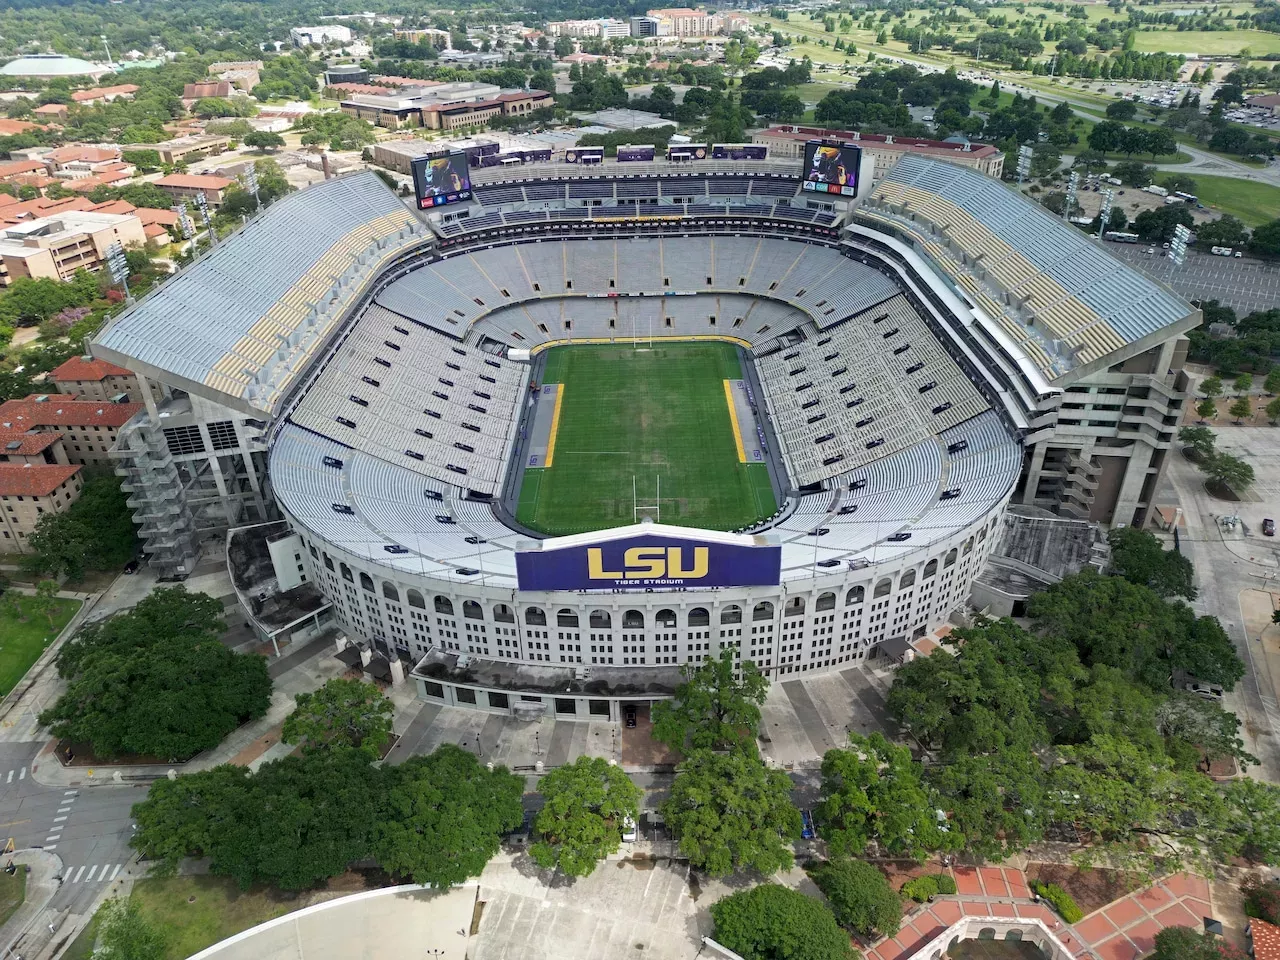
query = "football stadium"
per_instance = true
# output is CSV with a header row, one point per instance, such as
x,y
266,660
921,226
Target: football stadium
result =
x,y
572,424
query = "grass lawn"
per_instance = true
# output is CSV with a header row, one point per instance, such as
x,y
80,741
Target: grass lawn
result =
x,y
13,890
1207,41
82,946
1251,202
220,909
22,643
642,414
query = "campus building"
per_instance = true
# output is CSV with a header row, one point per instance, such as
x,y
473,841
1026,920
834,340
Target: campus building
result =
x,y
788,140
55,247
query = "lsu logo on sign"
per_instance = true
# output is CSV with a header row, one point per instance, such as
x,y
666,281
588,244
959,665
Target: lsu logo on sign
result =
x,y
651,563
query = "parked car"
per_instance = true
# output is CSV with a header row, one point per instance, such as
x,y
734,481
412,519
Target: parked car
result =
x,y
807,829
1268,527
131,567
629,713
629,834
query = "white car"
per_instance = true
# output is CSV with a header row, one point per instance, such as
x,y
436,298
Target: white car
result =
x,y
629,834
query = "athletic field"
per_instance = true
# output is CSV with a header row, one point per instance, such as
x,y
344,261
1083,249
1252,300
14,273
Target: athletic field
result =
x,y
644,414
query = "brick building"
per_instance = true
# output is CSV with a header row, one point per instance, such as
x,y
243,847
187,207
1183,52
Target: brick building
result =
x,y
88,427
27,492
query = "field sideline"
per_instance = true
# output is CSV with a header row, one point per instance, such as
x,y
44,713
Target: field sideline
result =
x,y
628,413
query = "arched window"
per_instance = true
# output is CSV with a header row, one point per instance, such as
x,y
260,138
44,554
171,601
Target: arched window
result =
x,y
699,617
389,592
666,618
882,589
762,611
826,601
566,618
982,534
504,614
794,607
471,610
633,620
415,599
346,573
951,558
931,569
855,595
443,605
907,579
968,546
600,620
731,614
535,617
366,581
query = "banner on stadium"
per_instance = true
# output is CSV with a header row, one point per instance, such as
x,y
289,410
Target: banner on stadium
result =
x,y
649,562
739,151
584,155
632,154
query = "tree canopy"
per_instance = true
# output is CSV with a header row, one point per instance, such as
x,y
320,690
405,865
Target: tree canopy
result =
x,y
586,805
342,713
773,922
860,896
96,533
713,709
730,812
1140,558
156,680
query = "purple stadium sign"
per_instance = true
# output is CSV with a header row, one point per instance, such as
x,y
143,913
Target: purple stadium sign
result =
x,y
644,562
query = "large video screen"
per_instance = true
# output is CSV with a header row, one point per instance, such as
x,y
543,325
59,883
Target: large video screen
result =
x,y
441,180
832,167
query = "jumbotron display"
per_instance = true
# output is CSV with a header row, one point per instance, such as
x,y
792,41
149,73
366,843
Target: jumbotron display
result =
x,y
831,167
441,180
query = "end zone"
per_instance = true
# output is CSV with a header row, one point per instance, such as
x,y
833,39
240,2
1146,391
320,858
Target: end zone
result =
x,y
546,421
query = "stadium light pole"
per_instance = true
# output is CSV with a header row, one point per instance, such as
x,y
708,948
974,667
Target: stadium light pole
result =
x,y
202,203
118,267
1104,214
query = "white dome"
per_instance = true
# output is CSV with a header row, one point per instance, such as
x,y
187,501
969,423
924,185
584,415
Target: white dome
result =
x,y
51,65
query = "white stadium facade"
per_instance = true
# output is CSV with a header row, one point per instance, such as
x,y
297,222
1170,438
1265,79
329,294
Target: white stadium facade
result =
x,y
362,371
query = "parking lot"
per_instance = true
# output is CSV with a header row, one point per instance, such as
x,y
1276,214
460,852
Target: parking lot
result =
x,y
1245,285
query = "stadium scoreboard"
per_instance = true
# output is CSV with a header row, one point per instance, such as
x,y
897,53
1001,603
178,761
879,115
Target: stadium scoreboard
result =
x,y
441,179
831,166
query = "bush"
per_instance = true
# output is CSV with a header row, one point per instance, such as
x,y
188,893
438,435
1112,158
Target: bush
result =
x,y
946,884
920,889
860,896
1060,901
771,921
1262,900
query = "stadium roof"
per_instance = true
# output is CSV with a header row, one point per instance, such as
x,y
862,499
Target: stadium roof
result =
x,y
1056,291
241,322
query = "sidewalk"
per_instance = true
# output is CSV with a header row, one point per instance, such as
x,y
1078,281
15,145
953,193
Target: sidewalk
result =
x,y
27,928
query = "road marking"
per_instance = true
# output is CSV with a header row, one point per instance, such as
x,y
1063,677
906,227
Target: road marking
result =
x,y
92,871
70,793
63,809
58,819
10,780
52,846
115,871
76,878
52,836
22,774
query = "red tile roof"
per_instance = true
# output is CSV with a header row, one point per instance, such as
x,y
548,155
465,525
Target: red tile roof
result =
x,y
365,88
81,152
194,181
91,183
9,128
29,444
98,93
15,167
150,215
1266,939
80,368
34,480
153,231
211,88
52,109
407,82
59,411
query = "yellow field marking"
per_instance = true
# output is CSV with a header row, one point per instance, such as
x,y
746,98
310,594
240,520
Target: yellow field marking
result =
x,y
733,419
624,341
555,425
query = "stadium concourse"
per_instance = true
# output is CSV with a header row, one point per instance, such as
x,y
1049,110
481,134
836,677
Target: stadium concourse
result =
x,y
912,356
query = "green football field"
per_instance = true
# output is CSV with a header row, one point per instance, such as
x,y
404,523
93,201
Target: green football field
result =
x,y
644,414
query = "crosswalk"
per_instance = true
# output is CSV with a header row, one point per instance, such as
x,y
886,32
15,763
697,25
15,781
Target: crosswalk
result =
x,y
18,774
59,821
108,873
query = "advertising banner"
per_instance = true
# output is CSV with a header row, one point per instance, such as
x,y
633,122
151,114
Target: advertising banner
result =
x,y
630,154
584,155
649,562
739,151
831,167
687,152
441,180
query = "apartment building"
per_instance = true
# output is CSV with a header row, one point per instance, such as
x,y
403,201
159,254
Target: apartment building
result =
x,y
185,186
88,427
27,492
87,378
57,246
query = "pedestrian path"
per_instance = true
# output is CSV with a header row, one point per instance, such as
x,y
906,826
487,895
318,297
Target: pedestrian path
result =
x,y
60,819
18,773
107,873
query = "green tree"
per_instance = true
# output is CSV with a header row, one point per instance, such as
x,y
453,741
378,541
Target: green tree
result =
x,y
45,599
1211,386
1228,471
1200,439
874,791
1199,725
1243,383
444,817
1240,409
263,140
713,709
156,680
1273,410
1272,383
1262,899
126,934
1207,408
1183,943
860,897
586,805
1122,110
1140,558
1226,231
730,812
342,713
187,816
772,922
97,533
